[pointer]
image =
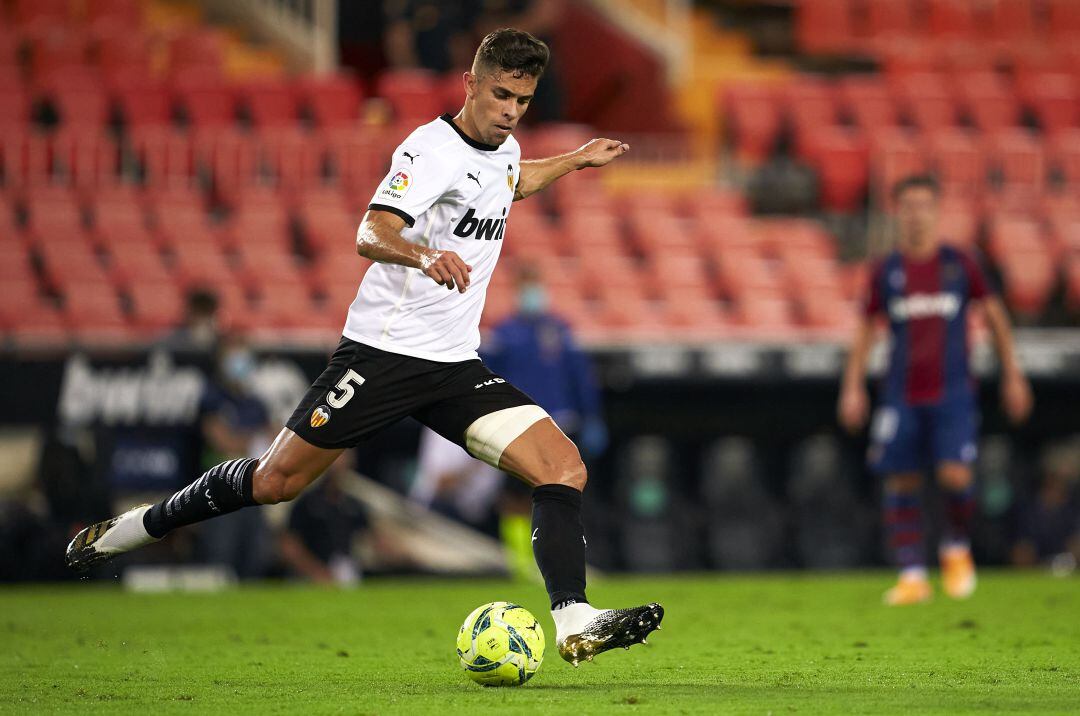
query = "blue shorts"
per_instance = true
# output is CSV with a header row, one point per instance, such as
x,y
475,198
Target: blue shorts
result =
x,y
914,438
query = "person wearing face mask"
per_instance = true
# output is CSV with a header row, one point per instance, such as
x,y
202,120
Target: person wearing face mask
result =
x,y
235,422
535,349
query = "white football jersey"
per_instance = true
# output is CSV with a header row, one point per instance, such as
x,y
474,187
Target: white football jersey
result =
x,y
454,193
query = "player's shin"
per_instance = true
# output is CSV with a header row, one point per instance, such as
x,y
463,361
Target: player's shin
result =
x,y
904,530
222,489
959,513
558,541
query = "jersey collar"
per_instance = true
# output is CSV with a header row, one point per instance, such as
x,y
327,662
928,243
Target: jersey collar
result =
x,y
466,138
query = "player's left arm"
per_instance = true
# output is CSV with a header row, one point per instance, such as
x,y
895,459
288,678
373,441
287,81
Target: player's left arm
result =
x,y
1016,395
537,174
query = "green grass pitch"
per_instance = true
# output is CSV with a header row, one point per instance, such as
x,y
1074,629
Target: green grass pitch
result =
x,y
731,644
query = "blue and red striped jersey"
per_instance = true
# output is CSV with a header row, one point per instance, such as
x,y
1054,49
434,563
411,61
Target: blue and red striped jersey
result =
x,y
926,303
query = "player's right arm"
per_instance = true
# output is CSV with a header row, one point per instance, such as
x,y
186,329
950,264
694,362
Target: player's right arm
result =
x,y
379,239
853,408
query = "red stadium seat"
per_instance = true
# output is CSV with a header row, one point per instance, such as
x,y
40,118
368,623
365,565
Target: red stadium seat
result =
x,y
54,213
263,267
1017,156
58,49
959,161
284,305
118,224
824,26
92,312
868,102
86,157
27,13
413,95
293,157
988,100
230,157
212,105
951,19
927,99
196,50
1053,98
1064,150
145,106
165,156
332,101
123,50
765,314
754,119
841,159
894,154
1012,20
201,263
269,103
82,108
114,16
1063,20
1029,279
155,305
137,262
14,107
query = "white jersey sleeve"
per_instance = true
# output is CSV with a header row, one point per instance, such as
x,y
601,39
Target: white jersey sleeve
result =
x,y
418,178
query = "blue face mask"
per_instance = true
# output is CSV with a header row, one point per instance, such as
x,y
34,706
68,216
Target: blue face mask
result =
x,y
532,300
238,366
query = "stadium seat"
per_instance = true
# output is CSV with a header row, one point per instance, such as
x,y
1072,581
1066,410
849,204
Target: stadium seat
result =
x,y
263,269
145,105
112,17
284,305
92,312
292,158
868,102
950,19
54,213
413,95
927,100
165,156
201,263
1064,150
87,108
809,103
988,101
841,159
198,50
1016,157
765,314
123,50
58,49
230,157
269,103
85,157
155,305
1052,97
1011,20
824,26
135,262
754,120
1029,279
958,161
331,101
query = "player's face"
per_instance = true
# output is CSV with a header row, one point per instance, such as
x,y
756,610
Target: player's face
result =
x,y
917,216
498,101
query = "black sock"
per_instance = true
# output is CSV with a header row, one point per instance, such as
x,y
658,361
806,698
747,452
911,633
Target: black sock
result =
x,y
558,541
222,489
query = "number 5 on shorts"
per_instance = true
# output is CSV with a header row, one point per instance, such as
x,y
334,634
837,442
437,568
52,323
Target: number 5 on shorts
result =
x,y
345,385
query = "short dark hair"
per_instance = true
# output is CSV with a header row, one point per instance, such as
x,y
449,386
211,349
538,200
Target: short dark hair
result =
x,y
513,51
202,302
916,181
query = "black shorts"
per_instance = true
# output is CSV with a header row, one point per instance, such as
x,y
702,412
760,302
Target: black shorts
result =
x,y
365,390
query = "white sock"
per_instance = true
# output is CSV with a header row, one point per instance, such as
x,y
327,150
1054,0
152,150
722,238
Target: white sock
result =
x,y
918,572
127,534
572,619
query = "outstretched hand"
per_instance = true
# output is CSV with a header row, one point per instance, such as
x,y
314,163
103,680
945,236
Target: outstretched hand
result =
x,y
598,152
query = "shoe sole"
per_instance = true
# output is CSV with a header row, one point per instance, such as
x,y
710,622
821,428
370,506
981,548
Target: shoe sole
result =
x,y
80,554
624,628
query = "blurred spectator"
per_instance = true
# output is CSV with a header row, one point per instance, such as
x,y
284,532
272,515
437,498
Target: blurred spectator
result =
x,y
324,523
745,524
452,482
235,424
832,526
653,529
1049,529
535,350
429,34
199,332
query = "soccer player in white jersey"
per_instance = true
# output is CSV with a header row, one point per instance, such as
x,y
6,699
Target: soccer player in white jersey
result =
x,y
434,227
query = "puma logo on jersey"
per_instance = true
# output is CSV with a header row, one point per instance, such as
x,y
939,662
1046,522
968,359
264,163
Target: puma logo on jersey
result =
x,y
410,156
486,383
475,178
486,229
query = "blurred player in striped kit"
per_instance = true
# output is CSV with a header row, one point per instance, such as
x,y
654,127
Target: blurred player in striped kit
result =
x,y
927,417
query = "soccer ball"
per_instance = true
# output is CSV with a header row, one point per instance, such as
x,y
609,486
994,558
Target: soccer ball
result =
x,y
500,644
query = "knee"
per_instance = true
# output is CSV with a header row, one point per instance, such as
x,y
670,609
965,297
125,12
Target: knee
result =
x,y
904,483
270,485
955,478
573,475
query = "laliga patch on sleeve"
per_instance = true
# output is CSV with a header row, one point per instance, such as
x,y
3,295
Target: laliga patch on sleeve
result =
x,y
397,186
